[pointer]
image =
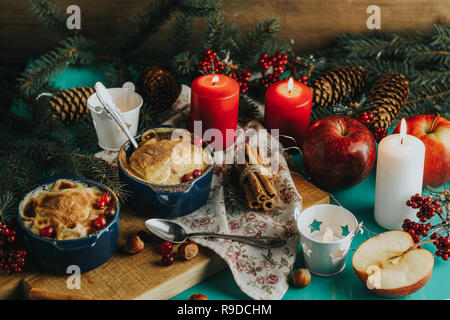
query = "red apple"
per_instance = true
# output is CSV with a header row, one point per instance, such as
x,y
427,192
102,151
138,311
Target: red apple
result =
x,y
338,152
434,131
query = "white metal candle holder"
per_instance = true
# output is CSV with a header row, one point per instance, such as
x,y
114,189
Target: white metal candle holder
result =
x,y
326,233
110,135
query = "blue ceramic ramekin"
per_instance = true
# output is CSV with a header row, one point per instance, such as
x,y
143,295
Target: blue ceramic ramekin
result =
x,y
55,256
164,201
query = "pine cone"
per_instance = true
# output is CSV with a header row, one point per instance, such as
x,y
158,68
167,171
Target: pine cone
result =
x,y
340,85
386,99
159,87
71,104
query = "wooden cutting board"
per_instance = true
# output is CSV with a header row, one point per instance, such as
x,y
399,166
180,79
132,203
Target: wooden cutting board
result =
x,y
140,276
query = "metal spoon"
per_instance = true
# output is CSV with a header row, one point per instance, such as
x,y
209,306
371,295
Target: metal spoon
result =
x,y
108,103
173,232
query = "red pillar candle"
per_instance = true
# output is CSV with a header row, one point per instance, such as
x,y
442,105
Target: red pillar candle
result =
x,y
215,102
288,108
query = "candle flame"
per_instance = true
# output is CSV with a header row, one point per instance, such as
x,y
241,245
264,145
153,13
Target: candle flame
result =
x,y
402,130
290,84
214,80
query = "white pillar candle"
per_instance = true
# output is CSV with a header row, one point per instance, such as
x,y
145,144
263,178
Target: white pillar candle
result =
x,y
399,176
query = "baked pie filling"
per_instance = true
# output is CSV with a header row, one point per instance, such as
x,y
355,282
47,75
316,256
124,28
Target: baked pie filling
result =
x,y
67,210
163,161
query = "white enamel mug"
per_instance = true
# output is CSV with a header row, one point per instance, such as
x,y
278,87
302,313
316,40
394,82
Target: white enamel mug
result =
x,y
110,136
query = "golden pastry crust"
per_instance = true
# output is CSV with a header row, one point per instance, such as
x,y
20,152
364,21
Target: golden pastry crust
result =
x,y
66,206
164,162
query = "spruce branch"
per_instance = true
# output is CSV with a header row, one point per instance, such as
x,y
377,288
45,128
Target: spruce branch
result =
x,y
255,41
199,8
181,31
220,36
7,202
248,109
234,195
184,66
52,18
146,22
73,50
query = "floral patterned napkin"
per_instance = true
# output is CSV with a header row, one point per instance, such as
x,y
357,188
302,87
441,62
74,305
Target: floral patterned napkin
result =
x,y
259,273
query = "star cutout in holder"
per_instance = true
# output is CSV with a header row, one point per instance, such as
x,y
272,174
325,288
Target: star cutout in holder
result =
x,y
315,225
337,255
345,230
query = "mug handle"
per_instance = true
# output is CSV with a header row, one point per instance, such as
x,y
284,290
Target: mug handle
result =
x,y
129,86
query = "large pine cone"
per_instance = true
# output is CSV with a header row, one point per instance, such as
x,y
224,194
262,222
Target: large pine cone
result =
x,y
340,85
386,98
71,104
158,87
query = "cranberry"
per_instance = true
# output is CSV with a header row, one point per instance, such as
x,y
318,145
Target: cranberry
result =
x,y
99,223
48,232
196,173
106,198
187,177
168,259
101,204
166,247
11,239
110,212
304,79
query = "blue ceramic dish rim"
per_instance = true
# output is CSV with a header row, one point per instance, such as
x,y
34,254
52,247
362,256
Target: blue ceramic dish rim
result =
x,y
158,187
95,236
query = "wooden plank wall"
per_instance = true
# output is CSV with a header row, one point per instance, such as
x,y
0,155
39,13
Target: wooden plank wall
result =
x,y
312,23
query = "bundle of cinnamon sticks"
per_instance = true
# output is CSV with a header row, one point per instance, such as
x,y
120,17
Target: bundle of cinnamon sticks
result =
x,y
257,181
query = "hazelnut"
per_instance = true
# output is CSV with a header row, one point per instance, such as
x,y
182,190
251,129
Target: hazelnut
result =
x,y
134,245
198,296
143,235
301,278
188,250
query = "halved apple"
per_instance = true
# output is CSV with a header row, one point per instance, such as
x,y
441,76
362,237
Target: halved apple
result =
x,y
387,268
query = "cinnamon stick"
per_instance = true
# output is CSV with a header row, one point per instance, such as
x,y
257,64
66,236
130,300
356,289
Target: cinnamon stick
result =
x,y
266,180
252,203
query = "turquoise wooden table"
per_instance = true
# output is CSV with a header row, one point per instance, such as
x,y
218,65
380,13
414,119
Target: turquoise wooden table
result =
x,y
359,200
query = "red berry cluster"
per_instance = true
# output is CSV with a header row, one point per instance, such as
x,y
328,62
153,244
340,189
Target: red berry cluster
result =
x,y
211,63
165,248
11,260
428,208
190,176
442,245
277,62
379,133
6,234
416,229
304,79
426,205
365,117
242,79
101,221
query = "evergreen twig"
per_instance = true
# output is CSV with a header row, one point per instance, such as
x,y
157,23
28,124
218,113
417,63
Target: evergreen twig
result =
x,y
52,18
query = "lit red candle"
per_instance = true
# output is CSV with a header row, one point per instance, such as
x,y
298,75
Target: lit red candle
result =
x,y
288,108
215,102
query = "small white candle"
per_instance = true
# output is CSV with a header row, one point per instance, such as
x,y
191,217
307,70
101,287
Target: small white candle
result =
x,y
328,236
399,176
